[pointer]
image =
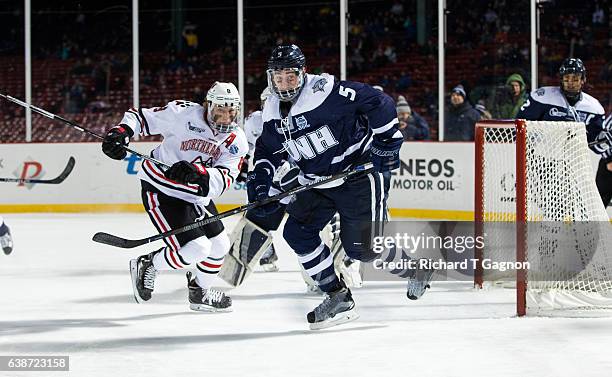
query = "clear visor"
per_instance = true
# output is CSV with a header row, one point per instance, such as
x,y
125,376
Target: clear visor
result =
x,y
286,82
285,79
223,115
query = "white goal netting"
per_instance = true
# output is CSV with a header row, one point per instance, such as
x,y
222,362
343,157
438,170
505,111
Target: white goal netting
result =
x,y
568,233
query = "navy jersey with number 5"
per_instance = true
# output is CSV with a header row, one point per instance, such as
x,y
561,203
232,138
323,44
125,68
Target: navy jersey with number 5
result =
x,y
328,129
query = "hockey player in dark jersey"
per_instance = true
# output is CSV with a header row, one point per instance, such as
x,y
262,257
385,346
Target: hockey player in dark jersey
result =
x,y
326,126
252,237
567,102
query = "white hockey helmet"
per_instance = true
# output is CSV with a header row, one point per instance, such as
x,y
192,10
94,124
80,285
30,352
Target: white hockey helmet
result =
x,y
264,95
223,106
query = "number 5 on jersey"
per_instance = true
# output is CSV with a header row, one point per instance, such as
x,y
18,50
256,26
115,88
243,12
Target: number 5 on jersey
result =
x,y
347,92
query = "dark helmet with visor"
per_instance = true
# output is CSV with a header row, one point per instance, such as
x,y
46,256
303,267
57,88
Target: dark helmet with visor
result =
x,y
286,59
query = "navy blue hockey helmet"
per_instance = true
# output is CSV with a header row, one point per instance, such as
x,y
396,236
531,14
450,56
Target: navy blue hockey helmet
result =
x,y
572,66
286,71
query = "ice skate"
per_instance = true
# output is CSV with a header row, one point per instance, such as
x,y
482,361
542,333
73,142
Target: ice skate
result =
x,y
143,276
6,242
268,260
207,300
418,282
337,308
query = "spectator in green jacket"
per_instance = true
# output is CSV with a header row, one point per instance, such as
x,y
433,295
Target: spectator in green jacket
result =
x,y
509,106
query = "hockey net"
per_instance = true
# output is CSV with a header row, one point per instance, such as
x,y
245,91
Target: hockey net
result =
x,y
536,202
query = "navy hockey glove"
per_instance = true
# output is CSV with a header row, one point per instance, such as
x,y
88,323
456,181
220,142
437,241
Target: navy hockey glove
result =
x,y
244,170
119,134
385,154
258,188
184,173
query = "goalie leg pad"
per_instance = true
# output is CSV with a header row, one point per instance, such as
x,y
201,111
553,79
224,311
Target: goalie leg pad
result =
x,y
248,243
349,268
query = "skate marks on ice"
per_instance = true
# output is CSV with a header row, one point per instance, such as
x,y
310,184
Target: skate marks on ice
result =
x,y
39,326
157,343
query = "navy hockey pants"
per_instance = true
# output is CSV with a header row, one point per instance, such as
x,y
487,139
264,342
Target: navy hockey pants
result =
x,y
361,203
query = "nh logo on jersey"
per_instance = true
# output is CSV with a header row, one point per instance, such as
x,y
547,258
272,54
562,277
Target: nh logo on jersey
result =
x,y
301,122
310,145
319,85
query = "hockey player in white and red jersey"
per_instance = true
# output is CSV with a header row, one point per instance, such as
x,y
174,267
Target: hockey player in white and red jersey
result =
x,y
205,148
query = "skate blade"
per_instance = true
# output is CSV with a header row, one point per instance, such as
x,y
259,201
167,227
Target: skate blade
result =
x,y
134,276
339,319
208,309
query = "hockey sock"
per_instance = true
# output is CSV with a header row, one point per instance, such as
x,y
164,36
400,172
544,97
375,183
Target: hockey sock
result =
x,y
208,268
193,251
319,265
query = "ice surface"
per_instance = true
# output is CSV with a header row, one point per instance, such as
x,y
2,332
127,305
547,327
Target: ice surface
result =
x,y
62,294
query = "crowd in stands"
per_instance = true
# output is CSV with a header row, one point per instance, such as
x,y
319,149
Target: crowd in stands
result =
x,y
82,57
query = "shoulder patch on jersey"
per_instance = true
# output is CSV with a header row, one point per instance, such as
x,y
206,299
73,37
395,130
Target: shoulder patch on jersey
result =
x,y
183,103
540,92
308,100
233,149
319,85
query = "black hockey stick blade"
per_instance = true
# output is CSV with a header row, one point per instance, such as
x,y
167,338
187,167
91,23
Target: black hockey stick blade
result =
x,y
109,239
57,180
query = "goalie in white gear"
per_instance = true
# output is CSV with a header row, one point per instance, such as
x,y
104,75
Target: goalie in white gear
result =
x,y
253,126
205,148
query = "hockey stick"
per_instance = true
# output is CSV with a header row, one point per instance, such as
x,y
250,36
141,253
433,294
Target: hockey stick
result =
x,y
59,179
76,126
112,240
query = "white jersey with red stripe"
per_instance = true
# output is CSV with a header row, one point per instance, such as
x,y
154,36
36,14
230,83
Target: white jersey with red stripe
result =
x,y
187,136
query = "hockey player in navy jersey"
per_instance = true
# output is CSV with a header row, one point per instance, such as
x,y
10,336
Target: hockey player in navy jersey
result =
x,y
251,237
567,102
205,148
326,126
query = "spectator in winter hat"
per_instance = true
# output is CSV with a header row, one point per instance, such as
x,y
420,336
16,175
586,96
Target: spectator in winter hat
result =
x,y
460,117
411,125
508,105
